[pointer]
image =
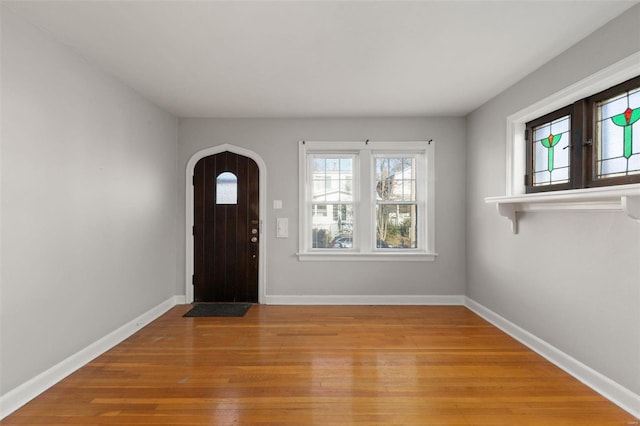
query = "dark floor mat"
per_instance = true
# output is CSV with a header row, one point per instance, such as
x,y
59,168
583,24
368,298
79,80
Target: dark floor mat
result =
x,y
218,310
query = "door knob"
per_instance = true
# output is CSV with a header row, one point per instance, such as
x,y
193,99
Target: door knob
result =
x,y
254,239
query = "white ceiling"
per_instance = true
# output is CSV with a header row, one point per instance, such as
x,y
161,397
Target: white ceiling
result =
x,y
319,58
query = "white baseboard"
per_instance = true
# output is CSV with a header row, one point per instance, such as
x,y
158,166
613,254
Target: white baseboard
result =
x,y
365,300
608,388
24,393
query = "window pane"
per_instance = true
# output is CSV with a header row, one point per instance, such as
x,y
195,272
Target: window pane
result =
x,y
395,179
551,152
332,179
617,121
319,210
332,225
227,188
319,190
346,164
396,226
319,164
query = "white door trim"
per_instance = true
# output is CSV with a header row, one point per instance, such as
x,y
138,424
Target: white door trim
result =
x,y
262,246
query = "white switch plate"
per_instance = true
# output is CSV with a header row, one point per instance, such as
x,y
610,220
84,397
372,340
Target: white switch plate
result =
x,y
277,204
282,227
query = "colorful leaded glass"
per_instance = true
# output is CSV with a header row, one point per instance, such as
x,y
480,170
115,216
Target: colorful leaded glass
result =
x,y
550,152
617,119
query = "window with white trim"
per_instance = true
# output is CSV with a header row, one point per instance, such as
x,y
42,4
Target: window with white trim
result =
x,y
517,156
605,195
366,200
588,143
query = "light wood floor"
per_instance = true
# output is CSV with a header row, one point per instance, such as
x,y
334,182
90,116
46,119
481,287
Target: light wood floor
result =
x,y
325,365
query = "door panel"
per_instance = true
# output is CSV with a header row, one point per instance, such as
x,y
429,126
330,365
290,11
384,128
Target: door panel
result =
x,y
226,236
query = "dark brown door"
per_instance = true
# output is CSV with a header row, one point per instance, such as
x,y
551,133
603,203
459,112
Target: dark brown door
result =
x,y
226,229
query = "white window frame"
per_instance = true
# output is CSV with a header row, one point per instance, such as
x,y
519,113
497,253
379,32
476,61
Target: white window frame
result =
x,y
355,167
364,200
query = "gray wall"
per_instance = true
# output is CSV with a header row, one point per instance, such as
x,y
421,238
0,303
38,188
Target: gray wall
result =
x,y
572,279
88,204
276,142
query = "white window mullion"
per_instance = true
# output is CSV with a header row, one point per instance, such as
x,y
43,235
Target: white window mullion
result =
x,y
427,165
304,198
421,205
365,198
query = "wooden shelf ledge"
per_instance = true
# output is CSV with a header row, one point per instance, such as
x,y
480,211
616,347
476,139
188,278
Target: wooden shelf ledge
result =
x,y
625,198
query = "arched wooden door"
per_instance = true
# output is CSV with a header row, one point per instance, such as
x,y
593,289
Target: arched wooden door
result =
x,y
226,229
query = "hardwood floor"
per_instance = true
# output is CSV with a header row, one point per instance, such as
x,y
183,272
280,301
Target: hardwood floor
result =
x,y
427,365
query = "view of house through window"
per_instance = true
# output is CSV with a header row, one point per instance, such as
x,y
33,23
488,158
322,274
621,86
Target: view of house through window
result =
x,y
363,198
332,207
396,202
332,201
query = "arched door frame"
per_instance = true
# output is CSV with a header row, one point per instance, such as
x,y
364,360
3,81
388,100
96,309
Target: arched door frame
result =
x,y
191,164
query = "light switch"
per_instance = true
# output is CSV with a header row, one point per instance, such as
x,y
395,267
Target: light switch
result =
x,y
277,204
282,227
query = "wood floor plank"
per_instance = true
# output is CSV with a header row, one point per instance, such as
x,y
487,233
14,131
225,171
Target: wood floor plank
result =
x,y
324,365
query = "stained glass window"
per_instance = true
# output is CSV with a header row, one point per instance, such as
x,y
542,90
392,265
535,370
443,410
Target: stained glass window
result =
x,y
617,122
592,142
551,155
227,188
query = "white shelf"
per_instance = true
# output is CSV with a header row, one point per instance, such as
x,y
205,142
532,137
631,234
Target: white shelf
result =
x,y
625,198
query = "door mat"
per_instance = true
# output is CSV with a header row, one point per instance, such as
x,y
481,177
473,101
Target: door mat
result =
x,y
218,310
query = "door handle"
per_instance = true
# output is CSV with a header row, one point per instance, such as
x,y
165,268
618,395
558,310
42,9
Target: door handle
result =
x,y
254,239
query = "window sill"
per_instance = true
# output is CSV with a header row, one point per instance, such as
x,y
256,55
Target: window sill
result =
x,y
359,256
625,198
